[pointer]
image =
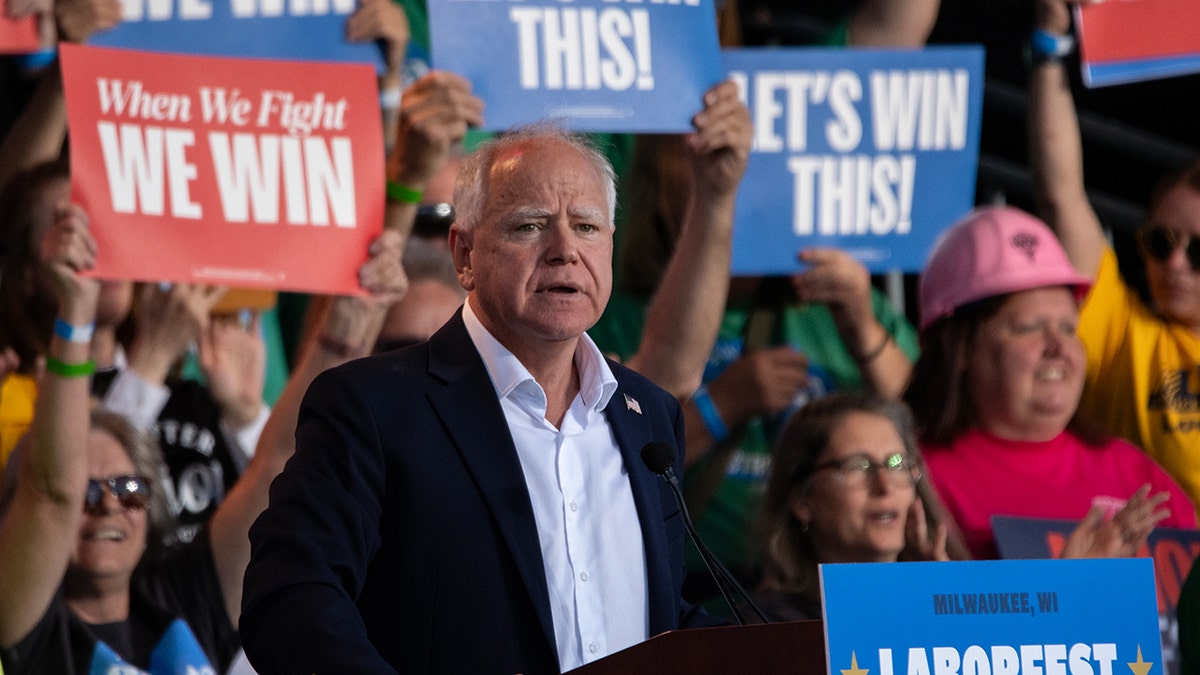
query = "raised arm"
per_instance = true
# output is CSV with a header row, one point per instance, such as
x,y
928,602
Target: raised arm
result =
x,y
893,23
1056,152
347,330
844,285
167,321
39,527
385,23
435,113
685,313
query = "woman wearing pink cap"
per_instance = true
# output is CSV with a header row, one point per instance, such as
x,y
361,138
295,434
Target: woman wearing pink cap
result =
x,y
996,390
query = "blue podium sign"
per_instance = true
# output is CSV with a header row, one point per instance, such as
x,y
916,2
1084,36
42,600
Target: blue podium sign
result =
x,y
1021,617
871,151
594,65
307,30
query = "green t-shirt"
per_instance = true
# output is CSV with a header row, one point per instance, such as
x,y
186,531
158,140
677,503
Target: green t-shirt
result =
x,y
726,523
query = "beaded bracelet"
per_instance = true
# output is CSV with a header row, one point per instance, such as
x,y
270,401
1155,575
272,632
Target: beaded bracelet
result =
x,y
62,369
709,413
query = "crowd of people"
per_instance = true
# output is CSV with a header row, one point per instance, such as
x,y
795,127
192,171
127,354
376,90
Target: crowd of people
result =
x,y
449,477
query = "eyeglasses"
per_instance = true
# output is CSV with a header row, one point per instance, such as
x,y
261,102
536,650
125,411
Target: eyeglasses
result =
x,y
898,469
133,492
1159,242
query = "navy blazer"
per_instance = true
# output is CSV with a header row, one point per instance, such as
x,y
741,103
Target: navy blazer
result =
x,y
401,537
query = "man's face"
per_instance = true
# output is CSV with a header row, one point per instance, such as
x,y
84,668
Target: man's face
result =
x,y
538,265
1174,285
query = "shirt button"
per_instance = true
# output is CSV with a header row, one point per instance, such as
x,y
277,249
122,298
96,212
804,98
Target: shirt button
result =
x,y
584,575
574,506
592,647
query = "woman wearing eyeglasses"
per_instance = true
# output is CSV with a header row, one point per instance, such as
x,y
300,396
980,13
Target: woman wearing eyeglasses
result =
x,y
1143,362
996,390
846,485
78,503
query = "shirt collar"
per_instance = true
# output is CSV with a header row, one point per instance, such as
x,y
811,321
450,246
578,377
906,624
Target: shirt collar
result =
x,y
596,381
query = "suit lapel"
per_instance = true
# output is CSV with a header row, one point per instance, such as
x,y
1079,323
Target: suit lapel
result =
x,y
632,432
472,414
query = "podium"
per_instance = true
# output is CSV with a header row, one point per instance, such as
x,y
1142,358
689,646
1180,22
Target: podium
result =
x,y
795,647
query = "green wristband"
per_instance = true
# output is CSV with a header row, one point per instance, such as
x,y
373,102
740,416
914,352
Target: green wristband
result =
x,y
61,369
402,193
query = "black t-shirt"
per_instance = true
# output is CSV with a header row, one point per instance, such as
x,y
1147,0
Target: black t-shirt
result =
x,y
203,463
177,616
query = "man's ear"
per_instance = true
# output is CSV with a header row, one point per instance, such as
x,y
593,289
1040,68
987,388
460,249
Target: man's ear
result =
x,y
461,245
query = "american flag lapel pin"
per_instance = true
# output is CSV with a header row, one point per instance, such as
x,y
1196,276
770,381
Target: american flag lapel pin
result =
x,y
632,404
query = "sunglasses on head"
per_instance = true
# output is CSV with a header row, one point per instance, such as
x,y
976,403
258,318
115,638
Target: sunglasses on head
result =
x,y
434,220
133,492
1158,242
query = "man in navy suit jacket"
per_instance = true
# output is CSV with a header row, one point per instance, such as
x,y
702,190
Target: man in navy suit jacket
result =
x,y
421,525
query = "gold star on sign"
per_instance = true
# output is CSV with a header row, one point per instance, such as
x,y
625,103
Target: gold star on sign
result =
x,y
855,670
1139,667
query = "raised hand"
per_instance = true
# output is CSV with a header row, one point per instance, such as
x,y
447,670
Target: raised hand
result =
x,y
67,249
233,358
763,382
169,319
721,143
381,20
435,113
80,19
1122,535
918,542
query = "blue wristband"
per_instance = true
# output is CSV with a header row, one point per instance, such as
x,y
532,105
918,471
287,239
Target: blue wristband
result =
x,y
70,333
709,413
1047,46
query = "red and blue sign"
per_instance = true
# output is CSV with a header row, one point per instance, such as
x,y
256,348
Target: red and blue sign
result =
x,y
1134,40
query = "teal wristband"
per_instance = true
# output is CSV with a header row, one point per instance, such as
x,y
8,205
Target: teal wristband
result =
x,y
403,194
709,413
62,369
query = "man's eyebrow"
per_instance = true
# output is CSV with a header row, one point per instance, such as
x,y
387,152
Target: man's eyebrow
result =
x,y
528,213
589,213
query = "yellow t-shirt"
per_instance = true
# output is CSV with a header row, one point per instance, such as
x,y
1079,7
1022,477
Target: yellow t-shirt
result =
x,y
1143,376
17,394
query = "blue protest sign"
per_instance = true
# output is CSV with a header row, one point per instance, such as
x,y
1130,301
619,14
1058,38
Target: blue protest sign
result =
x,y
310,30
594,65
1173,551
1018,617
871,151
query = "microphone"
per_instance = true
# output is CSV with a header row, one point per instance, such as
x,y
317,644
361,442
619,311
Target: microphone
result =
x,y
657,457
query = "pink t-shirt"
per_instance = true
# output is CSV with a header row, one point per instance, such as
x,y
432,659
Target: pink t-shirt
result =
x,y
980,475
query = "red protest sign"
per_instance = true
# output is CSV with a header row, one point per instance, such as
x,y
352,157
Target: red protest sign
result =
x,y
243,172
18,36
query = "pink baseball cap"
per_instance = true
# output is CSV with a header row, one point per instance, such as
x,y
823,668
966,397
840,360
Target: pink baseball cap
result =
x,y
994,250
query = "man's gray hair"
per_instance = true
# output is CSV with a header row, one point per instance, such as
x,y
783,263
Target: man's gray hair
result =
x,y
471,185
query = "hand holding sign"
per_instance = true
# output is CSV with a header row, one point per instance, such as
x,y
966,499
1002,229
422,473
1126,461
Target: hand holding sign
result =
x,y
435,113
80,19
381,20
721,145
67,250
